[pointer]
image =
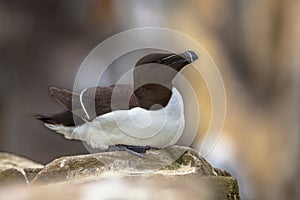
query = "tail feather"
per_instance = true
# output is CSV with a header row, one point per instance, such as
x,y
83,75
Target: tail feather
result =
x,y
45,119
65,118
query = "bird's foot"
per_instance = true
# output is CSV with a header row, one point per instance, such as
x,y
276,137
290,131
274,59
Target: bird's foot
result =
x,y
135,150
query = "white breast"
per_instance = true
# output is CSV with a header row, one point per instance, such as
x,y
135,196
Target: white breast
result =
x,y
138,127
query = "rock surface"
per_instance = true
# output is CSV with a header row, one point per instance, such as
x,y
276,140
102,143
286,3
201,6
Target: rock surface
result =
x,y
163,189
15,169
177,172
172,161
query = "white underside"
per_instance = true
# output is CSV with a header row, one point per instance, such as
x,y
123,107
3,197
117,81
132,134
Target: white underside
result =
x,y
138,127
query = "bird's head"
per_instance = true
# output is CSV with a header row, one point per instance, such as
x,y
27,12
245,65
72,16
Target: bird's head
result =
x,y
161,68
175,61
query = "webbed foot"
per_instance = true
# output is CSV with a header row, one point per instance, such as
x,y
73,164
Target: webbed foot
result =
x,y
135,150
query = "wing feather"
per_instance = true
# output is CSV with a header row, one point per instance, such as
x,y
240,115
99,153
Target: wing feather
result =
x,y
96,101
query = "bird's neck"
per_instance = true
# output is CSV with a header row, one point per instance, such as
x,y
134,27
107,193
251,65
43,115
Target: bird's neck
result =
x,y
153,96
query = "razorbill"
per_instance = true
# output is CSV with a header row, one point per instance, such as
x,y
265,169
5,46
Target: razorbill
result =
x,y
147,114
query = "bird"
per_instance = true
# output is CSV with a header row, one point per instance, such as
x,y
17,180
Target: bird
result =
x,y
132,117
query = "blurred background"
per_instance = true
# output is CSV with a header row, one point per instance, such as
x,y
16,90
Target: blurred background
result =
x,y
255,44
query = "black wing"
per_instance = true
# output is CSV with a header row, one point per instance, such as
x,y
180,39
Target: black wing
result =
x,y
90,103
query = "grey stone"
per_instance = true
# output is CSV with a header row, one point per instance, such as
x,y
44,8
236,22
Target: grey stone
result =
x,y
15,169
123,189
167,165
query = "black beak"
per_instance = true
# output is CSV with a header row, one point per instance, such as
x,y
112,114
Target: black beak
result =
x,y
186,57
189,56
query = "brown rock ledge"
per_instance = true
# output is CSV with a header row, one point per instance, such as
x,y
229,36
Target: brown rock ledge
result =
x,y
15,169
172,173
172,163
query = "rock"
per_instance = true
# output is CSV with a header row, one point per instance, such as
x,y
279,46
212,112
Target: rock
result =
x,y
174,189
172,173
174,164
15,169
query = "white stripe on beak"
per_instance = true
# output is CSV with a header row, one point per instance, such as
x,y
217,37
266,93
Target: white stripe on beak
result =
x,y
190,55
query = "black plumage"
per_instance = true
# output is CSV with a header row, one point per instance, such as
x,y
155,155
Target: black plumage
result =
x,y
152,86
